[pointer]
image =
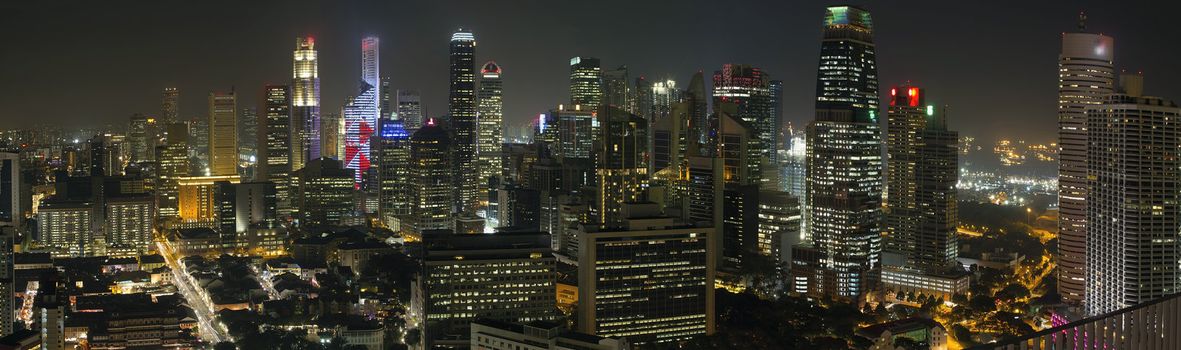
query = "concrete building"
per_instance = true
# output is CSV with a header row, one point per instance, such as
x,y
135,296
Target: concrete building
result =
x,y
1085,76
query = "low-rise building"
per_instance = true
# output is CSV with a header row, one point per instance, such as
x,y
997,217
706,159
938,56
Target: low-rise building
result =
x,y
539,335
926,333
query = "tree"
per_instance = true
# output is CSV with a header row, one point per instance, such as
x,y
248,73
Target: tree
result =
x,y
225,345
961,334
982,303
959,299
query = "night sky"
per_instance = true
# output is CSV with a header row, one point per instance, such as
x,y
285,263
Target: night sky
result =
x,y
98,62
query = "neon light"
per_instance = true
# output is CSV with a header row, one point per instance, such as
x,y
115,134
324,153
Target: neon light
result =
x,y
930,110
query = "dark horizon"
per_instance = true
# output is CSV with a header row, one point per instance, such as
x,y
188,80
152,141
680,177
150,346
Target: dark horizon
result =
x,y
993,65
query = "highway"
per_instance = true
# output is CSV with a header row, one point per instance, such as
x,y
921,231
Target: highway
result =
x,y
187,287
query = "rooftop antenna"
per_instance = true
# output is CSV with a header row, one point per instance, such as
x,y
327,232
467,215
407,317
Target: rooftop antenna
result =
x,y
1082,21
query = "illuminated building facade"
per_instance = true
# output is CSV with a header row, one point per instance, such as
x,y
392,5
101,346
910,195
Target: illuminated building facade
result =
x,y
844,161
325,192
779,220
410,109
223,133
170,106
1133,209
456,287
361,114
275,156
305,103
462,108
11,204
616,91
129,224
922,171
748,88
620,162
490,125
143,133
586,82
430,179
1085,76
651,280
173,162
67,227
393,166
198,198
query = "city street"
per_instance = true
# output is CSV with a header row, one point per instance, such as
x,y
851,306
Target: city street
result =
x,y
188,288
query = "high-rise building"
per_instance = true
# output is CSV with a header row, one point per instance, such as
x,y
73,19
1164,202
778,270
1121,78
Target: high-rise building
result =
x,y
67,227
143,133
361,114
305,103
240,206
1133,209
7,280
410,109
129,223
430,179
586,82
170,107
462,110
223,133
455,287
199,145
197,198
616,91
776,142
11,204
393,167
325,192
1085,76
490,125
921,175
248,138
700,126
332,132
621,162
779,224
275,143
650,280
749,89
173,160
844,180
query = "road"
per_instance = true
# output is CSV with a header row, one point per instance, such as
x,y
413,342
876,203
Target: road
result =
x,y
188,288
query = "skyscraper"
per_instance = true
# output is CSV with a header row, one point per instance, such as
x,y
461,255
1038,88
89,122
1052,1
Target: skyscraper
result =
x,y
393,166
1085,76
361,114
462,108
430,179
748,88
921,175
170,107
616,91
173,158
325,192
620,162
844,157
331,135
305,103
275,142
10,190
490,125
223,133
142,134
410,109
1133,209
586,82
7,280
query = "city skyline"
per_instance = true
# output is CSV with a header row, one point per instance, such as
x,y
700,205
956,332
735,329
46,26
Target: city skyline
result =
x,y
412,43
